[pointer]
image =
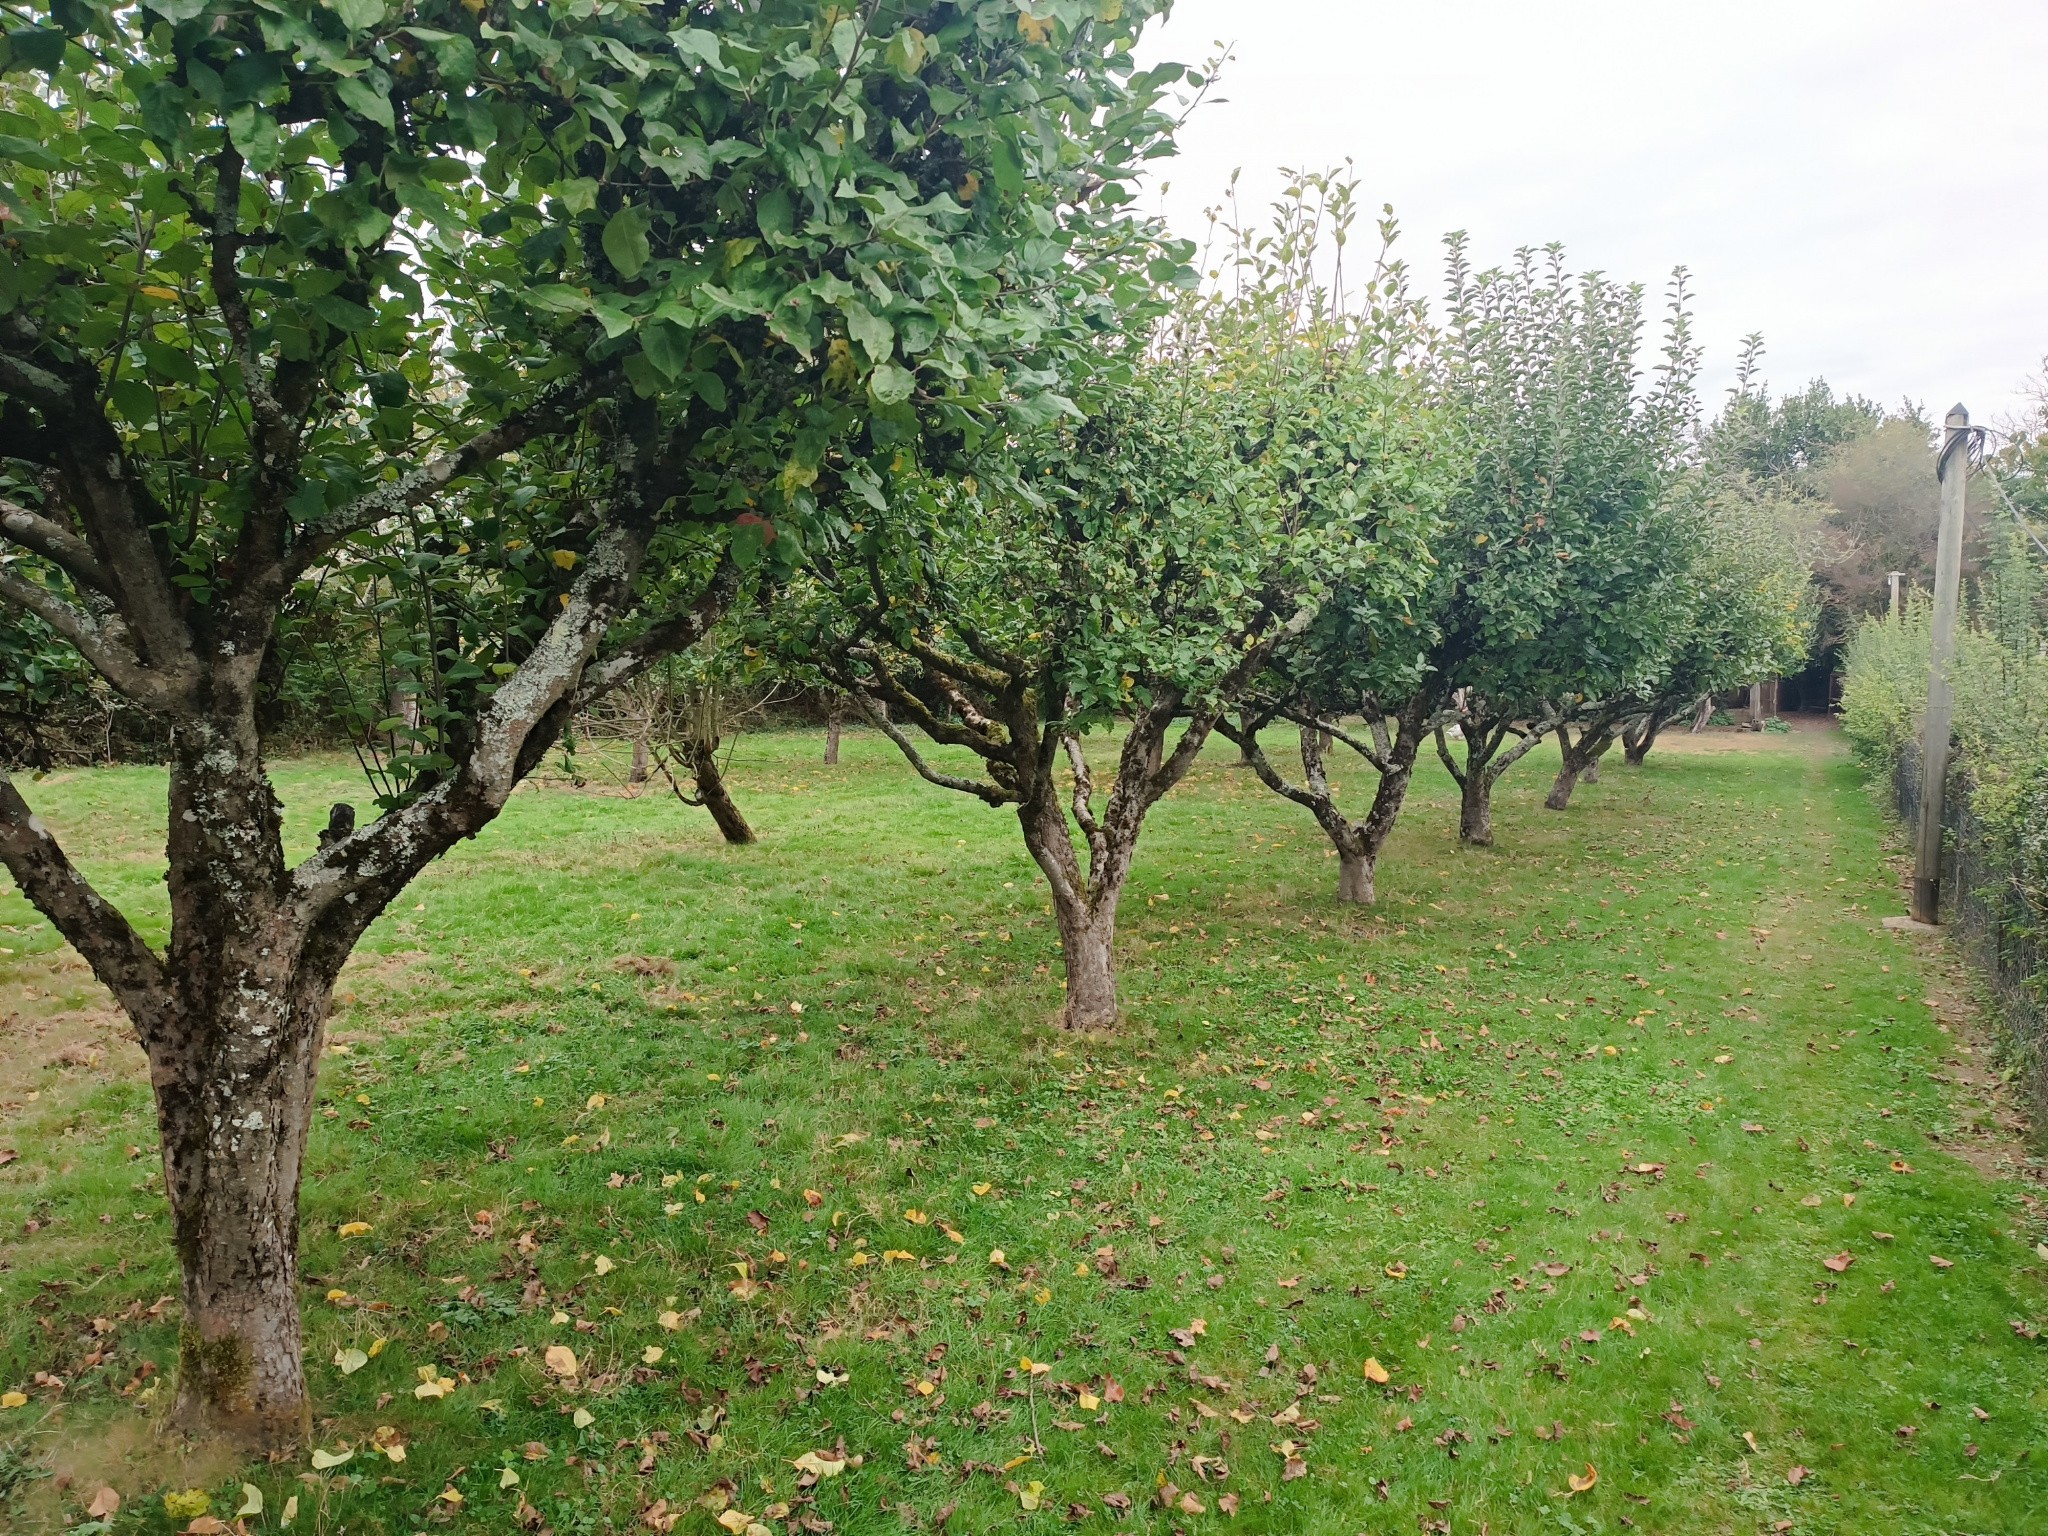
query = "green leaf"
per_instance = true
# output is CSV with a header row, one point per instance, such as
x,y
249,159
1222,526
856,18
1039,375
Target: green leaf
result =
x,y
625,241
698,47
368,101
666,347
36,48
875,335
357,15
558,297
774,212
1009,167
907,52
27,152
891,384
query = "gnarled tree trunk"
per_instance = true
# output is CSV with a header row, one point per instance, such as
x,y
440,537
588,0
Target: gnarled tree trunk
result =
x,y
1487,757
1357,844
1475,810
1581,758
712,793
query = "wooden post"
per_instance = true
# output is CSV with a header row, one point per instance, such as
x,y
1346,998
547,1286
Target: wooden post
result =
x,y
1954,471
1894,577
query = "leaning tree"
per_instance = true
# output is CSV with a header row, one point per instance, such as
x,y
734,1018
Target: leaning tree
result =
x,y
1134,570
575,305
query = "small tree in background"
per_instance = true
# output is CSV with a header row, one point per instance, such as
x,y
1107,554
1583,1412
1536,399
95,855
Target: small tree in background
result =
x,y
1558,582
550,314
1139,568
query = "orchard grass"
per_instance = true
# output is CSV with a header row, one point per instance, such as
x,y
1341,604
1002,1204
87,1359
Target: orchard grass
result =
x,y
1559,1134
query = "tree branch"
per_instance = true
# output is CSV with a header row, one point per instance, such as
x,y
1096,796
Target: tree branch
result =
x,y
114,661
553,412
991,794
97,930
55,543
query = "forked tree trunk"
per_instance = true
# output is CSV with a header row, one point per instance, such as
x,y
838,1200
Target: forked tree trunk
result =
x,y
1084,909
832,723
1581,763
712,793
1640,736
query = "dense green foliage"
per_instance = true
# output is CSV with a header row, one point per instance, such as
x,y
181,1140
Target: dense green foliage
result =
x,y
302,253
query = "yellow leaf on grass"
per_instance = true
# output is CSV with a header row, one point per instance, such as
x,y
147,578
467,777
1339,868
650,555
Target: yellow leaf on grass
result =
x,y
352,1229
981,1189
583,1418
290,1512
1583,1484
349,1361
1088,1401
603,1266
189,1505
560,1359
1031,1496
508,1478
1376,1372
672,1321
325,1460
13,1399
252,1501
651,1355
820,1464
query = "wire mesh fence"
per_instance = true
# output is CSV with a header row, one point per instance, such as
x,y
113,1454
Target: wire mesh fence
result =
x,y
1998,926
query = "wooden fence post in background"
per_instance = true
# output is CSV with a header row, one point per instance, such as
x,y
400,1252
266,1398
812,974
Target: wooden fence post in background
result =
x,y
1954,471
1893,578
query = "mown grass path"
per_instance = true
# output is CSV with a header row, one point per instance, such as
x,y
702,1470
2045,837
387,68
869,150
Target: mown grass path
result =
x,y
779,1144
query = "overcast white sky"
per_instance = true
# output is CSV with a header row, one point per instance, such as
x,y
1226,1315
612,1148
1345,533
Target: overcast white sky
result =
x,y
1864,181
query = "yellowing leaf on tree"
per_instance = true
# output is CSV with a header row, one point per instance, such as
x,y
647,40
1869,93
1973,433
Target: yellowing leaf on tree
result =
x,y
1375,1372
1034,29
560,1359
352,1229
168,295
1583,1483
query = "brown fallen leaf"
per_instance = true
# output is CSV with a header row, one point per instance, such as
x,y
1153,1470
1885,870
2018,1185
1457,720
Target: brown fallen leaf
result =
x,y
1586,1483
1939,1262
1838,1262
104,1505
1227,1503
1797,1475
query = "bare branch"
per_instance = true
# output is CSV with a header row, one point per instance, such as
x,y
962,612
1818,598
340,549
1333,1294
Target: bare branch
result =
x,y
55,543
554,412
665,638
102,649
990,793
97,930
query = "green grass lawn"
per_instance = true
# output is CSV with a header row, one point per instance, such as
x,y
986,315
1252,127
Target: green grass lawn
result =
x,y
782,1145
